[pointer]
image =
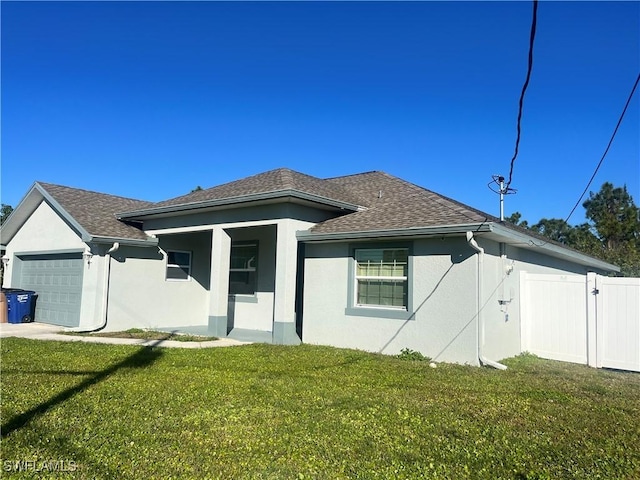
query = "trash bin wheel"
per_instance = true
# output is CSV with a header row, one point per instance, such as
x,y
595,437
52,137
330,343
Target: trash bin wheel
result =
x,y
26,319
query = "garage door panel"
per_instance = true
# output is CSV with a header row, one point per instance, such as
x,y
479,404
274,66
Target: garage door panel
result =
x,y
57,279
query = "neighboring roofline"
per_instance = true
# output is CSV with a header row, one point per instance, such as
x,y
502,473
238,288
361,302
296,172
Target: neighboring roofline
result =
x,y
492,230
84,235
229,201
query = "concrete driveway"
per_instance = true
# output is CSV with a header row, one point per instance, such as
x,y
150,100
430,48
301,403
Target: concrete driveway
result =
x,y
27,330
44,331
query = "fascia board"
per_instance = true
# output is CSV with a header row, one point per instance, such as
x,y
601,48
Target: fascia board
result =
x,y
523,240
308,237
238,200
20,214
499,232
151,242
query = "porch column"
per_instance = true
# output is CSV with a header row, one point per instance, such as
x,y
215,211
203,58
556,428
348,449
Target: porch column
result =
x,y
284,311
219,283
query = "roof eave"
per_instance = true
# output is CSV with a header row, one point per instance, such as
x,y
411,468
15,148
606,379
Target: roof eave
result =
x,y
239,200
133,242
494,230
435,231
522,240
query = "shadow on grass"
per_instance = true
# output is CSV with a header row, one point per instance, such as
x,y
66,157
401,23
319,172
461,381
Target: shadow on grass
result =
x,y
142,358
147,335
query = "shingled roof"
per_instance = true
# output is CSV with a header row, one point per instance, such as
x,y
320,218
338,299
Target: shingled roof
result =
x,y
95,212
367,205
273,181
392,203
379,201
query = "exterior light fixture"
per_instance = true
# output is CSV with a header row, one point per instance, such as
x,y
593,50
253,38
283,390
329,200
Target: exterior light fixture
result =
x,y
87,255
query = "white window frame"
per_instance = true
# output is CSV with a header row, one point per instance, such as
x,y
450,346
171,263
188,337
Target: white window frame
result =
x,y
398,279
180,266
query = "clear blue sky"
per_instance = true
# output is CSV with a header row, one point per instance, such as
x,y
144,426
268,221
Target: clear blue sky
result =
x,y
150,99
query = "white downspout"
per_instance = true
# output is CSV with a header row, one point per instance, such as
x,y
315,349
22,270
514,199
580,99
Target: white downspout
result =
x,y
105,296
480,315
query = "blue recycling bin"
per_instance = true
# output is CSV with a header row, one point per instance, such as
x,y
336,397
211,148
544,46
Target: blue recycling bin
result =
x,y
20,305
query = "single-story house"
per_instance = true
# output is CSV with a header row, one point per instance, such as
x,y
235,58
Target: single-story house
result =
x,y
366,261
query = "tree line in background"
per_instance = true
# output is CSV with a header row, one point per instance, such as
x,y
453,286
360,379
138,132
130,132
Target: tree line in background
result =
x,y
5,211
612,232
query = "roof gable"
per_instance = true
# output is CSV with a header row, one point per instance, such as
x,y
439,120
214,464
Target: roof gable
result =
x,y
90,214
95,212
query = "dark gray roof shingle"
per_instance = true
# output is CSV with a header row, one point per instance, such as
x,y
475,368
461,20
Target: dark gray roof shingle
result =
x,y
279,180
388,203
392,203
95,212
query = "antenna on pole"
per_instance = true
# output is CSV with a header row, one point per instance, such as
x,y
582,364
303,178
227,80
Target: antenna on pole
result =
x,y
502,191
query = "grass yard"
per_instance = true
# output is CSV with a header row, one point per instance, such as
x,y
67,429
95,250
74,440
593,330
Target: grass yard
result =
x,y
264,411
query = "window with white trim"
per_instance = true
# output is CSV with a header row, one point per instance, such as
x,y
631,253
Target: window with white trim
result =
x,y
178,265
243,271
381,277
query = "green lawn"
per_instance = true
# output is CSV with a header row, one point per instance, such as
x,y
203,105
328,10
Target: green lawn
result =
x,y
263,411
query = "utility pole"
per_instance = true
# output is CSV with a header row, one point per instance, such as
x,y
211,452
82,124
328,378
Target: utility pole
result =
x,y
502,191
501,180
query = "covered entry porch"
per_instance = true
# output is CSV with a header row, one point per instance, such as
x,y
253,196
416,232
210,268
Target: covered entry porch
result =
x,y
247,274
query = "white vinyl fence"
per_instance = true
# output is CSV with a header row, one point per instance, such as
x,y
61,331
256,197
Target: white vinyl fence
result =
x,y
587,319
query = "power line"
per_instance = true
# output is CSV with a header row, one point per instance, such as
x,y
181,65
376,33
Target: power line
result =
x,y
615,131
606,150
532,37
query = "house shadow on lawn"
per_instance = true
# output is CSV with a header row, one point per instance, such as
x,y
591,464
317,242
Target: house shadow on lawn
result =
x,y
142,358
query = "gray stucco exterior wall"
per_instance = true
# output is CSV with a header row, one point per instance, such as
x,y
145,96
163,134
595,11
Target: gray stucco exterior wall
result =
x,y
441,324
140,295
443,318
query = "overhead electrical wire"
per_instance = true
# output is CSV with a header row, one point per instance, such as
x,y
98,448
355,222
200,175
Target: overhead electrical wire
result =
x,y
606,150
532,37
615,131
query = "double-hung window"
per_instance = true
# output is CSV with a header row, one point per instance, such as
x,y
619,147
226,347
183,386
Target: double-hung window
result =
x,y
178,265
243,271
381,277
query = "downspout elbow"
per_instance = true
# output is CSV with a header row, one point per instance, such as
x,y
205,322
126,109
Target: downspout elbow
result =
x,y
480,316
105,301
472,242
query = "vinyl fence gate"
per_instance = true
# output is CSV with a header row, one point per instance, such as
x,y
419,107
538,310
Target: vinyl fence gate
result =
x,y
588,319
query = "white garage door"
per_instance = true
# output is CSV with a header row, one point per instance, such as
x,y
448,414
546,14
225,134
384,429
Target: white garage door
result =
x,y
57,279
